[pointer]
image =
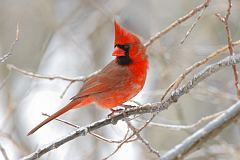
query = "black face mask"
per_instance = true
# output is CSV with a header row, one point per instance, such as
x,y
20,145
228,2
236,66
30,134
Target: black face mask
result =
x,y
124,60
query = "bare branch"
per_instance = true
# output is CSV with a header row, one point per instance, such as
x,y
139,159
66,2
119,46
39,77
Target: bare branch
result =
x,y
114,141
134,133
63,121
177,22
13,141
10,50
50,77
147,108
143,140
2,150
193,25
212,129
187,127
224,20
12,67
5,80
67,87
118,147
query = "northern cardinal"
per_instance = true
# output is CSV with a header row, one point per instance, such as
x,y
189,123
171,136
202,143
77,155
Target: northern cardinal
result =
x,y
116,83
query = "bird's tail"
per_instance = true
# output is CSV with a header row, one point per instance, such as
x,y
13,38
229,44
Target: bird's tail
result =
x,y
71,105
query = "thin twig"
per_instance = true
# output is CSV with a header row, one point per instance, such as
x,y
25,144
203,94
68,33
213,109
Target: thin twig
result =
x,y
63,121
143,140
14,142
147,108
65,90
114,141
3,151
177,22
123,142
186,127
224,20
118,147
48,77
193,25
10,50
51,77
4,80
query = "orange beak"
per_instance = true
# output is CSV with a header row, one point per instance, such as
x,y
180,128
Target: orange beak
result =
x,y
118,52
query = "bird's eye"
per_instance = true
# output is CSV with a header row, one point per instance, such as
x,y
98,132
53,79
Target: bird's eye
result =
x,y
126,46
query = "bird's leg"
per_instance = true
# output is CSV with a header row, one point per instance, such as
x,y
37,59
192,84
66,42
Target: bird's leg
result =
x,y
120,110
115,111
125,106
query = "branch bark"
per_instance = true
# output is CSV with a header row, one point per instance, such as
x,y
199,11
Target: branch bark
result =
x,y
147,108
212,129
49,77
10,50
177,22
3,151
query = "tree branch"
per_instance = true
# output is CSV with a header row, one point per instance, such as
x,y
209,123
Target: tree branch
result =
x,y
185,127
3,151
143,140
177,22
147,108
49,77
192,26
10,50
224,20
212,129
131,136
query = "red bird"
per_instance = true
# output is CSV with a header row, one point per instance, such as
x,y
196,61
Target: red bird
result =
x,y
116,83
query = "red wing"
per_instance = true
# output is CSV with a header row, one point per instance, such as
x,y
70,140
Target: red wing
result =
x,y
111,77
93,86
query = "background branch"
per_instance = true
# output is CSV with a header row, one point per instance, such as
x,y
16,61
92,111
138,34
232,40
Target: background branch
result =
x,y
224,20
48,77
193,25
10,50
3,151
186,127
177,22
131,136
197,139
143,140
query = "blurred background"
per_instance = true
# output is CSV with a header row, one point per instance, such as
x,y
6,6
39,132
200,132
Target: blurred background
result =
x,y
74,38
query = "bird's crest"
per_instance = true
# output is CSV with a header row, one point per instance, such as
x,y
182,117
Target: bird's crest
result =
x,y
122,36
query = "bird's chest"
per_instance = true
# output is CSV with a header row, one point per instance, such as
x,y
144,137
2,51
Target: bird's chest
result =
x,y
117,97
122,92
132,85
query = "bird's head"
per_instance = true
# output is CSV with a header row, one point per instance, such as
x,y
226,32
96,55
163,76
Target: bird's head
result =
x,y
127,47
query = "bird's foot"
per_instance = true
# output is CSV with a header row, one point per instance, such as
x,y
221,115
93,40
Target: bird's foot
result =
x,y
115,112
125,106
118,111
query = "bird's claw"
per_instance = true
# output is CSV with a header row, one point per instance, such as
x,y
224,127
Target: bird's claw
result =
x,y
115,112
